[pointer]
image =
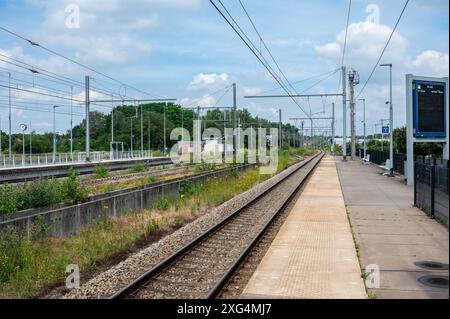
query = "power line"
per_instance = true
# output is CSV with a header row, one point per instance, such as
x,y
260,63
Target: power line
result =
x,y
76,62
301,81
268,68
34,70
207,95
346,32
220,98
384,49
265,46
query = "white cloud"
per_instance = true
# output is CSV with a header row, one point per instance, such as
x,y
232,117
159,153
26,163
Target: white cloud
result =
x,y
430,62
209,81
332,49
204,101
365,43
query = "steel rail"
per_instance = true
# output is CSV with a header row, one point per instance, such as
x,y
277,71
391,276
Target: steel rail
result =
x,y
136,285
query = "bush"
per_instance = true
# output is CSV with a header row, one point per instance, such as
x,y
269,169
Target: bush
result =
x,y
11,199
162,203
42,193
138,168
101,171
72,191
187,188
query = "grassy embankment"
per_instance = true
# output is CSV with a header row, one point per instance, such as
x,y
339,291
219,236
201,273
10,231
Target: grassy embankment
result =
x,y
26,266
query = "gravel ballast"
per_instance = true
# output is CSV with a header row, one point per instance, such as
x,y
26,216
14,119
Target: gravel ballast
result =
x,y
112,280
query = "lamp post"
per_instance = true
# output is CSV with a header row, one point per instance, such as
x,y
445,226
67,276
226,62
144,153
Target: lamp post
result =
x,y
54,134
23,127
71,123
391,118
364,125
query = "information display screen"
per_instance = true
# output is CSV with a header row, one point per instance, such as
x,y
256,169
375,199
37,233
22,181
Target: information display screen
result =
x,y
429,109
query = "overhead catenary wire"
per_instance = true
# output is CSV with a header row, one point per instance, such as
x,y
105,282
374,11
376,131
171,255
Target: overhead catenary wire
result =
x,y
34,43
265,46
301,81
384,49
268,68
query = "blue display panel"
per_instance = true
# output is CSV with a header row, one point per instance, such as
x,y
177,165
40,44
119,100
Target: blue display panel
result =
x,y
429,109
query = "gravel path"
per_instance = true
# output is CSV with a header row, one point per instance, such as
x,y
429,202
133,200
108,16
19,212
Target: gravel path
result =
x,y
123,273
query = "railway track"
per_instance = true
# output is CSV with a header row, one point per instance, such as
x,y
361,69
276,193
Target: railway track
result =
x,y
24,174
202,268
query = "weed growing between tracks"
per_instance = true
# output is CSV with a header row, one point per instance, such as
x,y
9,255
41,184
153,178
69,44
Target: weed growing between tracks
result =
x,y
27,266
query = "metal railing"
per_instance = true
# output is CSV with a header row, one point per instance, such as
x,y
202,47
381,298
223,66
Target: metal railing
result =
x,y
379,157
18,160
431,186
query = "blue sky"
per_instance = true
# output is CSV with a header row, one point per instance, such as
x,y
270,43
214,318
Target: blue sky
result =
x,y
184,49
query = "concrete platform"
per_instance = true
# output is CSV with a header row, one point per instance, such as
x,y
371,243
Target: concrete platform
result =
x,y
392,233
313,255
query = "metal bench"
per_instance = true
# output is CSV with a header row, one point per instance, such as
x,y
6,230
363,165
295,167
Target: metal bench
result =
x,y
366,160
386,167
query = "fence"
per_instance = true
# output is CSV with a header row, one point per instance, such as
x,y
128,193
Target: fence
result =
x,y
431,182
379,157
19,160
431,185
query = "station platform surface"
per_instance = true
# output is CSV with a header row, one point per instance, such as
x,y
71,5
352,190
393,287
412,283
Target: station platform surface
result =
x,y
391,233
313,254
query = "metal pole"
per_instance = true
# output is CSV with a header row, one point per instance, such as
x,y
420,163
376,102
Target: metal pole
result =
x,y
149,145
391,122
131,136
280,127
312,135
224,128
31,148
54,135
165,105
9,118
391,119
344,114
364,126
88,146
238,135
303,135
111,147
71,123
294,137
182,125
332,129
352,83
142,131
235,142
23,148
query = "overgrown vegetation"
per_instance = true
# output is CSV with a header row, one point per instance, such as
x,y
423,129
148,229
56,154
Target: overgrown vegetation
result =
x,y
101,171
27,265
139,168
41,193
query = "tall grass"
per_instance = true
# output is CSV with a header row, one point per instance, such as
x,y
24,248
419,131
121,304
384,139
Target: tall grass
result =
x,y
28,265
